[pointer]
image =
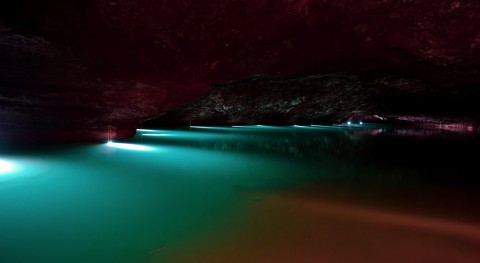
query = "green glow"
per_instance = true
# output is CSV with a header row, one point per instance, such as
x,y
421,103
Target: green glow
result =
x,y
169,189
6,167
118,203
128,146
247,126
146,130
157,134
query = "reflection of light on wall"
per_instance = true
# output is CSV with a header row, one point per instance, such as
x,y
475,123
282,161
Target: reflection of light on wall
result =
x,y
6,167
157,134
128,146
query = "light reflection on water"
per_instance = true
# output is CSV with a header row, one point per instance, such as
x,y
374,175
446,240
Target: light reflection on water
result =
x,y
198,185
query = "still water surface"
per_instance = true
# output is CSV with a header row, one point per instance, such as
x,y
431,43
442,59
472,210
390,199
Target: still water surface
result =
x,y
245,194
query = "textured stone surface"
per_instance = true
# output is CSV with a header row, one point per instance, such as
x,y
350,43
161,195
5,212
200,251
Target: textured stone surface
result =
x,y
326,99
82,66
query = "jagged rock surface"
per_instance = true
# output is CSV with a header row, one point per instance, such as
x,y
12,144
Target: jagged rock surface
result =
x,y
319,99
79,67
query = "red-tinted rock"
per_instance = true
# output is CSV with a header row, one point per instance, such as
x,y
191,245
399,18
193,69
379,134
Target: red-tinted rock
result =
x,y
84,65
323,99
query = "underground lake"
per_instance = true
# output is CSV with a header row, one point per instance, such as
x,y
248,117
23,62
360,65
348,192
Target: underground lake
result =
x,y
345,193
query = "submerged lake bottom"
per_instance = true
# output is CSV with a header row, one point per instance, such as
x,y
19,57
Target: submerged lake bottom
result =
x,y
367,193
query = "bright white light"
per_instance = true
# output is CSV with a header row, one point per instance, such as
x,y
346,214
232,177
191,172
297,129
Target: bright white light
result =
x,y
361,122
128,146
6,167
349,122
146,130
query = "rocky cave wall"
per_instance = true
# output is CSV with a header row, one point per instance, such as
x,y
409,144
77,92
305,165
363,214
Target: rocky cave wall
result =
x,y
94,69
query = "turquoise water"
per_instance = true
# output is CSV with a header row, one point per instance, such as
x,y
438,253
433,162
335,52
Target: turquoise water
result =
x,y
169,192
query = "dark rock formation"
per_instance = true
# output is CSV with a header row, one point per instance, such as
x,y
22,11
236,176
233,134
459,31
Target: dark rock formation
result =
x,y
79,67
325,99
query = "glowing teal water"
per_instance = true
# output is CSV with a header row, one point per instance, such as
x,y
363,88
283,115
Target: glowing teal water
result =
x,y
117,203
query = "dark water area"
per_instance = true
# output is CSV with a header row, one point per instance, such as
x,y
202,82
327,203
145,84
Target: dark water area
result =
x,y
367,193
